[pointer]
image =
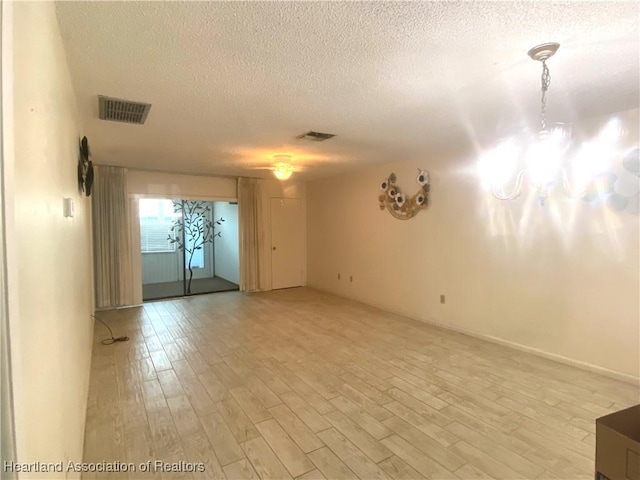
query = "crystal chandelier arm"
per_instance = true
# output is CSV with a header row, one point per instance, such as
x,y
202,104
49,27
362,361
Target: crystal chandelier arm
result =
x,y
572,192
500,194
545,82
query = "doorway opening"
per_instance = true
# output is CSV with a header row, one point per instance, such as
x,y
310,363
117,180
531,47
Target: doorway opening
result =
x,y
188,247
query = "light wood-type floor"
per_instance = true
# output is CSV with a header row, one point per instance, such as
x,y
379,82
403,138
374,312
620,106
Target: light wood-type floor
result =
x,y
301,384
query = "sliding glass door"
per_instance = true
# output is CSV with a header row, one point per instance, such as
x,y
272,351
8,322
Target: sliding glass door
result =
x,y
178,240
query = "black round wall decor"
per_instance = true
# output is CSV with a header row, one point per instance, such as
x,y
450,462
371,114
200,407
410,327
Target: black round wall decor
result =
x,y
85,168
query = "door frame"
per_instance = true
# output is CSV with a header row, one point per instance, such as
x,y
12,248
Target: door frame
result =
x,y
134,229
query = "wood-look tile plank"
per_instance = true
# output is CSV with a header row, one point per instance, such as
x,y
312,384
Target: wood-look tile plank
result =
x,y
154,398
173,352
358,436
184,372
171,387
469,471
184,416
240,470
262,392
295,428
222,440
196,362
199,398
153,344
251,406
216,389
416,458
398,469
160,361
503,455
556,459
284,447
166,440
360,417
330,465
368,378
369,390
547,475
351,455
305,412
134,416
310,395
424,396
436,432
363,402
210,356
226,376
271,380
264,461
312,475
145,369
318,384
198,450
238,422
430,414
177,474
483,461
237,366
430,447
139,445
501,437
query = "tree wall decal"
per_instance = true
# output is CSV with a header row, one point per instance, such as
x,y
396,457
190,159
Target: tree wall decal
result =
x,y
192,229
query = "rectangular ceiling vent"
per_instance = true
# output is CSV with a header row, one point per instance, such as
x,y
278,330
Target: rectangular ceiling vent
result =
x,y
315,136
118,110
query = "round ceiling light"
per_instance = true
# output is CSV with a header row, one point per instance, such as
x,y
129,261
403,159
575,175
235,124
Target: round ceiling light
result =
x,y
282,169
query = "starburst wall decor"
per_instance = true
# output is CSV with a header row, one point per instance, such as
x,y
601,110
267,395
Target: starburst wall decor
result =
x,y
397,203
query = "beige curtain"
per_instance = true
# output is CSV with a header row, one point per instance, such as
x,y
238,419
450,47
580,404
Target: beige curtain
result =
x,y
250,232
111,238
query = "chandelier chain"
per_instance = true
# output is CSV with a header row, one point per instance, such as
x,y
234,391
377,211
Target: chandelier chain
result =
x,y
546,81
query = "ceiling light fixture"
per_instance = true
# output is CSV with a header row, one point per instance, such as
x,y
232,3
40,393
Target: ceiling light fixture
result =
x,y
544,153
282,169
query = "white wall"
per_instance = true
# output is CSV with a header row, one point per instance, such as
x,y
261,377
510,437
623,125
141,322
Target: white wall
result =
x,y
561,279
277,189
172,185
51,328
226,263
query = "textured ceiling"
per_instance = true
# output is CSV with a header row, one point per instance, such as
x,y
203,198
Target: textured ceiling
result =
x,y
233,83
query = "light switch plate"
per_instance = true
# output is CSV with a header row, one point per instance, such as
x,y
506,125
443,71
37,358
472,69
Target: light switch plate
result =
x,y
68,207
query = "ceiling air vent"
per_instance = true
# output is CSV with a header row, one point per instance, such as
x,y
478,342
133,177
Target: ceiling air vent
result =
x,y
118,110
315,136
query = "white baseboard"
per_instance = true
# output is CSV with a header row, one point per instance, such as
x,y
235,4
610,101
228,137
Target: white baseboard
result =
x,y
625,377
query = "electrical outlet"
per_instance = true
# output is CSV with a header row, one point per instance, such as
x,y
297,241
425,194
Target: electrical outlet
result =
x,y
351,278
443,299
338,276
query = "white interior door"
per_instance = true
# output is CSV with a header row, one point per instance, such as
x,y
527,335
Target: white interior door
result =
x,y
287,243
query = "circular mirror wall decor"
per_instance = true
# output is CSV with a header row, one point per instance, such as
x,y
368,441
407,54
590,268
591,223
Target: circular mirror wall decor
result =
x,y
397,203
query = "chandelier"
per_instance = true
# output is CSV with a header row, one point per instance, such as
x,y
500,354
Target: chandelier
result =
x,y
550,159
282,169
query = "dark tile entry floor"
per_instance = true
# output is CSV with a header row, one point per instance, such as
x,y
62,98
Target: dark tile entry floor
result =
x,y
154,291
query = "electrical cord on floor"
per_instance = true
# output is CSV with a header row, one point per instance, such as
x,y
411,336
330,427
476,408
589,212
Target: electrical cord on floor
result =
x,y
112,340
